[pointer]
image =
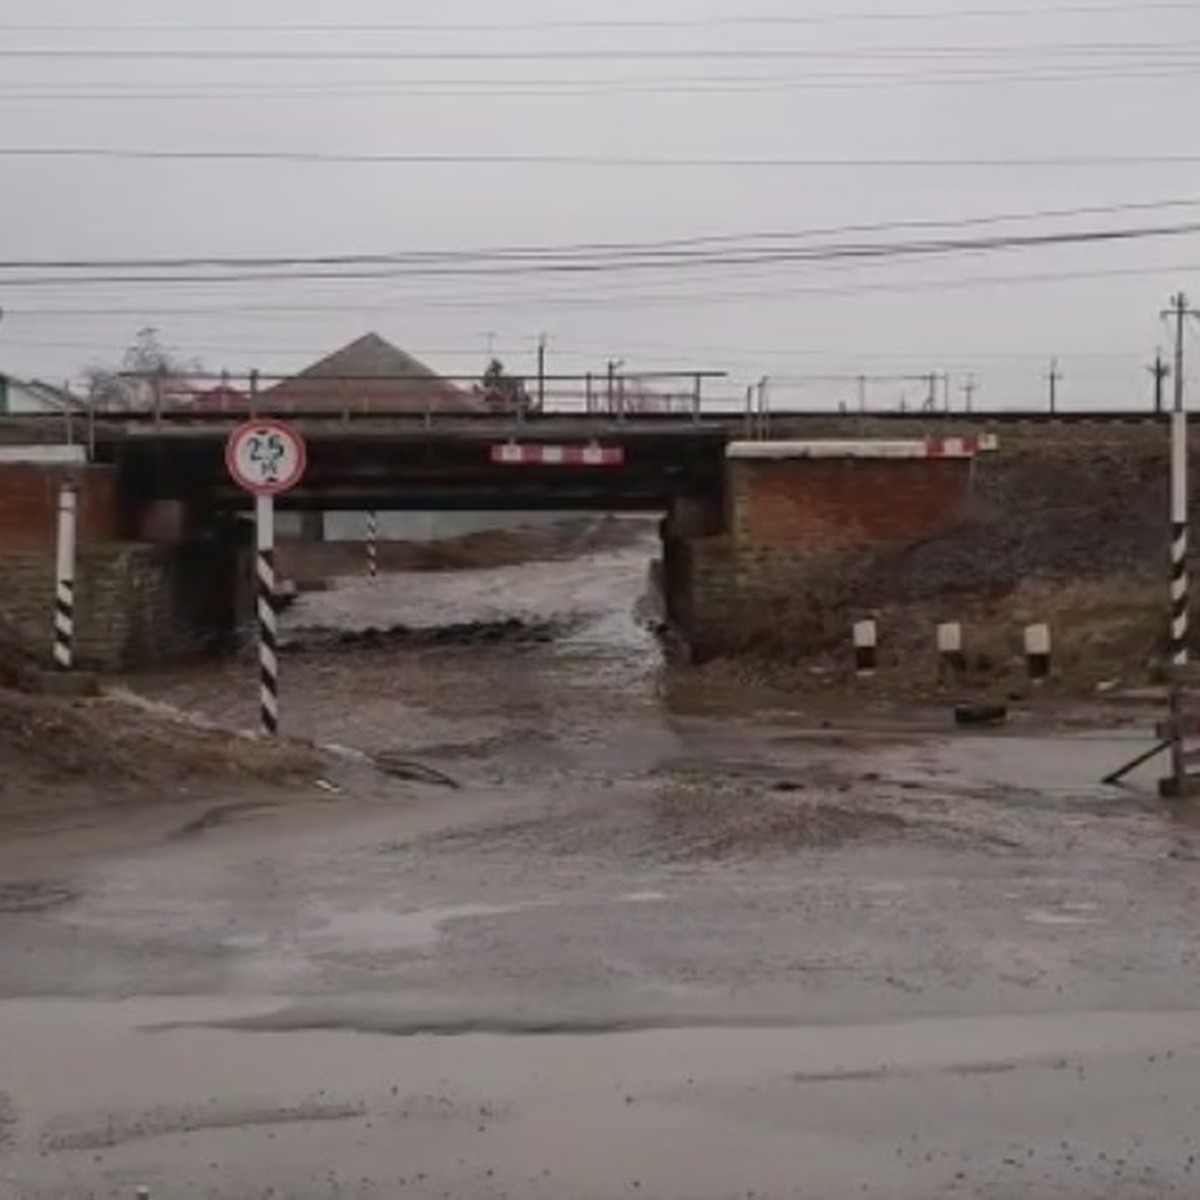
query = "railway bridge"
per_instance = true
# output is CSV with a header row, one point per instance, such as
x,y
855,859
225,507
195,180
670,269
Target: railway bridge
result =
x,y
756,506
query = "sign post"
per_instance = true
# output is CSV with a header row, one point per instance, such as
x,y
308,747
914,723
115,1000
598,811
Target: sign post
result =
x,y
266,458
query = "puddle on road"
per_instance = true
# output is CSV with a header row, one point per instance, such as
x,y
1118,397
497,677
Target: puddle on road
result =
x,y
1059,920
590,702
19,898
908,1109
380,929
1060,771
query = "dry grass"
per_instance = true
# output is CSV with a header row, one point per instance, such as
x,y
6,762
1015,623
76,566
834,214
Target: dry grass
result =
x,y
17,662
114,741
1103,631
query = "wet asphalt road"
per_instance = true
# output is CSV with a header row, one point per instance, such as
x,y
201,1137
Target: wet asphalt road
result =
x,y
637,951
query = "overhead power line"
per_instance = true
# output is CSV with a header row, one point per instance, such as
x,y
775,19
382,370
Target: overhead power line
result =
x,y
355,90
645,23
1072,49
584,347
610,264
592,299
620,251
639,162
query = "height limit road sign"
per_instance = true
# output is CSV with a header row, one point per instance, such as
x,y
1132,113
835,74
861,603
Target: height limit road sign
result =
x,y
266,457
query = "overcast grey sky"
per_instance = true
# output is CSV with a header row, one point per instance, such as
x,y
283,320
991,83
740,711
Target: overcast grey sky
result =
x,y
942,79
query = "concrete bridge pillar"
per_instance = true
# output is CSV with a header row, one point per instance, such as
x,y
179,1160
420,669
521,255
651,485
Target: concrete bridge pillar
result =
x,y
311,526
690,518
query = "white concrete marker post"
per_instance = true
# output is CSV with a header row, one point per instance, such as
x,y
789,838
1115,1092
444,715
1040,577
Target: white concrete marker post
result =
x,y
266,458
951,659
1037,652
64,578
866,648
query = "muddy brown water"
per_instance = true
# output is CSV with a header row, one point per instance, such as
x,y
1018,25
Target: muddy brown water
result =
x,y
653,943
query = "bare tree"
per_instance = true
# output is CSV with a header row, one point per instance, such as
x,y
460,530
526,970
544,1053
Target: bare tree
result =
x,y
145,365
502,391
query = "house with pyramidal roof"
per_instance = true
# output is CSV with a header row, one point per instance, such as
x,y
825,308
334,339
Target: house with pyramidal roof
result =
x,y
369,375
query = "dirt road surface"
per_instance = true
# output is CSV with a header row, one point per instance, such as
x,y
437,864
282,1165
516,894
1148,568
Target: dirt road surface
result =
x,y
629,939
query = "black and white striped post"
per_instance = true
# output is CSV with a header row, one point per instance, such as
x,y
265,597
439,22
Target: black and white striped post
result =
x,y
268,614
1179,313
64,577
373,544
1177,784
1179,540
266,458
866,648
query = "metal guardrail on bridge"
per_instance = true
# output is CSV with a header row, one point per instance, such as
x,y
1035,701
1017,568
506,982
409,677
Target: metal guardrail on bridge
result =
x,y
598,405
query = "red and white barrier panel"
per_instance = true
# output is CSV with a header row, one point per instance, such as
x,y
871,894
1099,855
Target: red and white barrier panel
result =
x,y
514,454
963,447
967,446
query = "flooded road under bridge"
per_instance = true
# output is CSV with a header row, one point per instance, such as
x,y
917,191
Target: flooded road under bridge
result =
x,y
604,929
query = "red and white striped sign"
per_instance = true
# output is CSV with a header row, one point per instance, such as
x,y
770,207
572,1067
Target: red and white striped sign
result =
x,y
962,447
516,454
967,446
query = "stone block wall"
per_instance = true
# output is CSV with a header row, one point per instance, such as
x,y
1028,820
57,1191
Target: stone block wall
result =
x,y
137,606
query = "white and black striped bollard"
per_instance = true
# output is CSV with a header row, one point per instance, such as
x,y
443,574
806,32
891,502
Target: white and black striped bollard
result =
x,y
373,544
268,614
952,661
1037,652
1179,540
64,578
866,648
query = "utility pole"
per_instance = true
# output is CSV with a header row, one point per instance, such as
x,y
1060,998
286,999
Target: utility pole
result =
x,y
931,399
1055,378
1161,373
1179,313
1178,785
969,389
616,388
541,371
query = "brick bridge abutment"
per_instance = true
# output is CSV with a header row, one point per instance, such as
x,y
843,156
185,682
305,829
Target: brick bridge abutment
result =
x,y
779,556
